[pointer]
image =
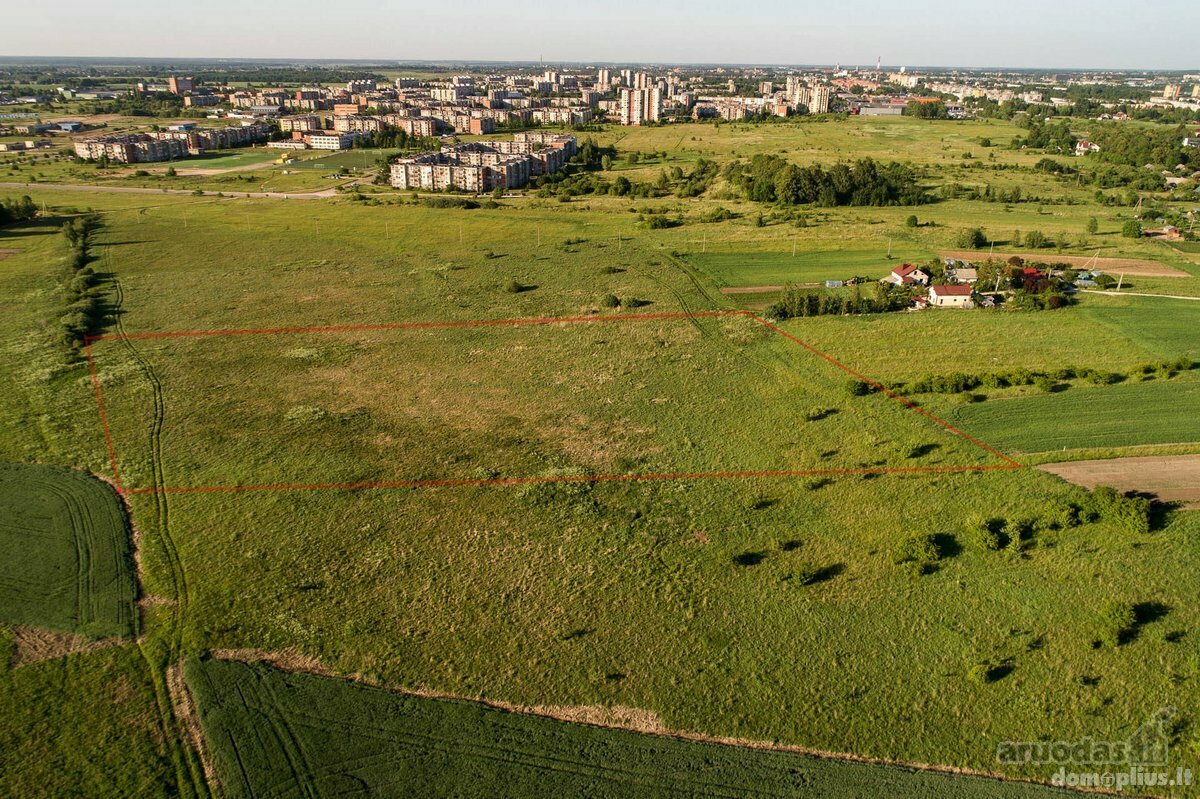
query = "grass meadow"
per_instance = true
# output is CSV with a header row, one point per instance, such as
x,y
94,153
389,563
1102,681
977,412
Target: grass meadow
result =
x,y
764,608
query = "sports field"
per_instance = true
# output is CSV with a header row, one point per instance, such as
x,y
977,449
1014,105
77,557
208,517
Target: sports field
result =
x,y
280,733
66,558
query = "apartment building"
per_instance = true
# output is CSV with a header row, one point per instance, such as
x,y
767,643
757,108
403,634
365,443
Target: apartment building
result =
x,y
197,140
357,124
131,148
640,105
178,85
303,123
485,166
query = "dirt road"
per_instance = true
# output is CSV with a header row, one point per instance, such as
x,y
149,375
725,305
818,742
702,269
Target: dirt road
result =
x,y
1172,478
1133,267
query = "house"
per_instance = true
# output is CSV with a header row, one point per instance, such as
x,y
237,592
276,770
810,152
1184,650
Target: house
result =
x,y
1084,147
1166,233
966,274
70,126
908,274
950,296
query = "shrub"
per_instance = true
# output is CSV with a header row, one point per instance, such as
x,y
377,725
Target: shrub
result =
x,y
912,221
1116,621
986,534
1036,239
1132,229
1108,504
513,287
971,239
919,552
858,388
610,301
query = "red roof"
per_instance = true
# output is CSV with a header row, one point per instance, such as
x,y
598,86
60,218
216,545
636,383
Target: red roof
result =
x,y
952,291
903,270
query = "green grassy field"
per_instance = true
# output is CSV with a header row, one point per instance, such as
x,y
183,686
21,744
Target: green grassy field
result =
x,y
82,725
65,553
1156,412
782,268
763,608
284,733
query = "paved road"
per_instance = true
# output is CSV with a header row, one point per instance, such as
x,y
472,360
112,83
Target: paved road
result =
x,y
279,195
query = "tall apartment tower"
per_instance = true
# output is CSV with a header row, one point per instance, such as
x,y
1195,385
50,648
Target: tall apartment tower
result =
x,y
603,79
640,105
627,77
1171,91
821,99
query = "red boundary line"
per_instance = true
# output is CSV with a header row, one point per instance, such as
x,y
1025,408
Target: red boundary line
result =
x,y
1009,463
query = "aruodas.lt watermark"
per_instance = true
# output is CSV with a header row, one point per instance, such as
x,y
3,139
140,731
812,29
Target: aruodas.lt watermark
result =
x,y
1139,761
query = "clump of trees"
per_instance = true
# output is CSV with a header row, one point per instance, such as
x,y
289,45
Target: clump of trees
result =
x,y
82,301
935,109
919,553
771,179
21,210
881,298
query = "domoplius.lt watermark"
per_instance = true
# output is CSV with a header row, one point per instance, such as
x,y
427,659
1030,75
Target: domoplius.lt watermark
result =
x,y
1139,761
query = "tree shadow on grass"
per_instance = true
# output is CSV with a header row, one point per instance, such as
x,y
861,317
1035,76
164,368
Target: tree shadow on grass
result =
x,y
748,558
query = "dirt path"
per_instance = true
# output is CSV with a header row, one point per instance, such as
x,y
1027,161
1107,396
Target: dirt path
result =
x,y
1172,478
1139,294
1134,267
279,195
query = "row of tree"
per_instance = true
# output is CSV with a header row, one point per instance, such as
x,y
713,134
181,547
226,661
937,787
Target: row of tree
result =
x,y
79,286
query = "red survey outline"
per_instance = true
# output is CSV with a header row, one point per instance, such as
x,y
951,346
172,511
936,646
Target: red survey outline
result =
x,y
1009,463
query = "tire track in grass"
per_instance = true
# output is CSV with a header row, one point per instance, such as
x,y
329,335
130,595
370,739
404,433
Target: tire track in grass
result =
x,y
187,770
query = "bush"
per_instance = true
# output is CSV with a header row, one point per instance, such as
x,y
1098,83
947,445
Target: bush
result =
x,y
986,534
858,388
610,301
912,221
1116,621
971,239
1132,229
513,287
1036,239
1107,504
919,552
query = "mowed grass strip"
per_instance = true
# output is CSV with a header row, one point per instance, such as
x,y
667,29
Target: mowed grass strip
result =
x,y
66,558
284,733
1155,412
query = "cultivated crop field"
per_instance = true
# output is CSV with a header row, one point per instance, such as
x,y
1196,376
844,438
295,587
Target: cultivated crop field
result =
x,y
65,553
283,733
1155,412
772,608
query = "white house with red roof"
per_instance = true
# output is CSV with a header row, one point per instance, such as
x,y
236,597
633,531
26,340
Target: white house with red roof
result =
x,y
956,296
908,274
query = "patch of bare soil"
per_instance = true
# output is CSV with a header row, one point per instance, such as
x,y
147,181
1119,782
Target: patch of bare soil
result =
x,y
7,253
1134,267
33,645
1171,478
185,711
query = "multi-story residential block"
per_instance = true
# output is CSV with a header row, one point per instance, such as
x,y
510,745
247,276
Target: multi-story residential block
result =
x,y
485,166
178,85
1172,91
131,148
357,124
304,123
640,105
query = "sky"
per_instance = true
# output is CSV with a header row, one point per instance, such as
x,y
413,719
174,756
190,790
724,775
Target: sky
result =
x,y
1114,34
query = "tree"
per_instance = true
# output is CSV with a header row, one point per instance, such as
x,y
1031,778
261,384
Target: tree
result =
x,y
1036,239
1092,225
911,221
972,239
1132,229
606,163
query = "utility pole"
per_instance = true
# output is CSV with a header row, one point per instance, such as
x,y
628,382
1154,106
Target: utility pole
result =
x,y
1120,280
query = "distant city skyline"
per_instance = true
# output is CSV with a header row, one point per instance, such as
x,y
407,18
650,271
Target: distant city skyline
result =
x,y
1158,35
